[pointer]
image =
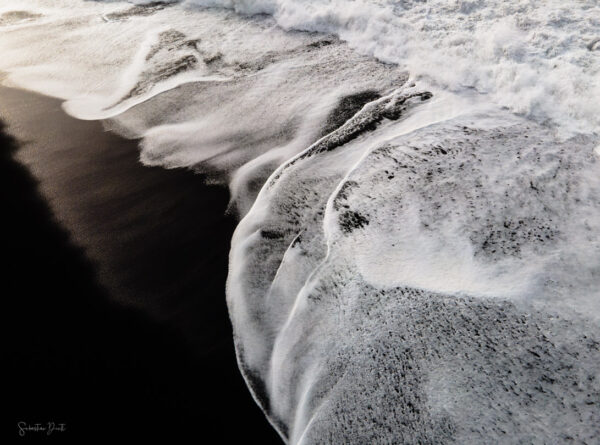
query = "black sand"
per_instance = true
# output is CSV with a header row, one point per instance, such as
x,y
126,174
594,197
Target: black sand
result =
x,y
114,278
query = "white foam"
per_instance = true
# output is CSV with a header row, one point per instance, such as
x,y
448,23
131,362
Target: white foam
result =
x,y
539,60
532,57
337,270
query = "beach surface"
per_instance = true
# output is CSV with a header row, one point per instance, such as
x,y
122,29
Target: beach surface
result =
x,y
116,278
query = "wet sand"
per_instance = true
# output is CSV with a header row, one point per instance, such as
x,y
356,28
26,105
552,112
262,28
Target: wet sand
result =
x,y
115,283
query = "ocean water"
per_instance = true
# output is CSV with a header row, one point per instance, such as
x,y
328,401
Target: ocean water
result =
x,y
418,187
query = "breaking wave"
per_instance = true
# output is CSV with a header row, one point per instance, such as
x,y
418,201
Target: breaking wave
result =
x,y
536,58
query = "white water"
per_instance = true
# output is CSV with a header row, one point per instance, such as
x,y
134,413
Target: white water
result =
x,y
395,240
539,59
535,57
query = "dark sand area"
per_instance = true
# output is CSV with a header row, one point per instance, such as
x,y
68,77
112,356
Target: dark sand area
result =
x,y
114,277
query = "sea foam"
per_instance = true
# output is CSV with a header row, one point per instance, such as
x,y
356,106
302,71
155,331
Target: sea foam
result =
x,y
536,58
393,285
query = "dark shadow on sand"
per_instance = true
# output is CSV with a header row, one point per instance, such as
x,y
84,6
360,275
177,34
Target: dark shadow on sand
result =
x,y
77,357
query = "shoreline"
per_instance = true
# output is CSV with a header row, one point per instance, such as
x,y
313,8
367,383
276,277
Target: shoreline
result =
x,y
117,285
151,233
